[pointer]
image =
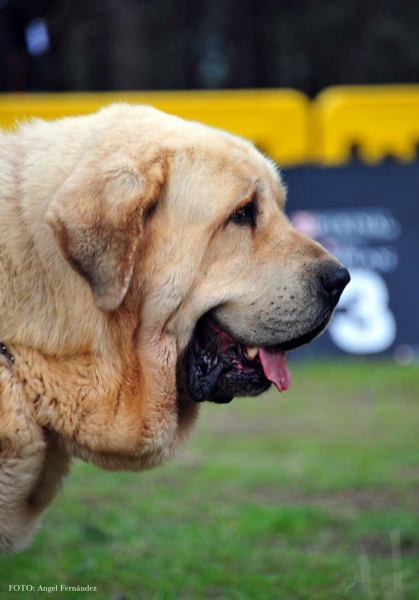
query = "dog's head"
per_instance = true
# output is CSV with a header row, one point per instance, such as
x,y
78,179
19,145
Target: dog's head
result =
x,y
183,227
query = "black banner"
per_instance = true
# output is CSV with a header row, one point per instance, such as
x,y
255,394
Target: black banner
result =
x,y
369,218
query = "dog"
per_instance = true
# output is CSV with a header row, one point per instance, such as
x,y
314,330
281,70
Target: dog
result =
x,y
146,265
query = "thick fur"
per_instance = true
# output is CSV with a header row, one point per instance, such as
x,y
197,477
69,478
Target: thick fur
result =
x,y
115,239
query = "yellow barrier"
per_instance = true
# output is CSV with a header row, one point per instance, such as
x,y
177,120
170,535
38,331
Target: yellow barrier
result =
x,y
275,120
377,120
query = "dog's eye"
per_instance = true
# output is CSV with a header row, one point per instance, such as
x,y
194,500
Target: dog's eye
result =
x,y
245,215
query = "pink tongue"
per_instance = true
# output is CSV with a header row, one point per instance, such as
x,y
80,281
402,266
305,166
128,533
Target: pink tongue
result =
x,y
274,363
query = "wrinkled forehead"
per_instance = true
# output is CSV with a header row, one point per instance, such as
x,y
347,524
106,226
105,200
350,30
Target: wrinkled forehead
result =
x,y
263,177
222,172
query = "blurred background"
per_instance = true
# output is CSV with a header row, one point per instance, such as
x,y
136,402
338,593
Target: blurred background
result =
x,y
314,494
96,45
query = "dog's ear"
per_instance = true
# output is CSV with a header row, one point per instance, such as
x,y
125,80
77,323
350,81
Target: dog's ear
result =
x,y
97,220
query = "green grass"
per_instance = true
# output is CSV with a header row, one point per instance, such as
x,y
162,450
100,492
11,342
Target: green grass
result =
x,y
313,495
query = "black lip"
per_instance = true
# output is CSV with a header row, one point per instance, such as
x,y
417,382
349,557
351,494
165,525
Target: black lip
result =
x,y
306,338
292,344
210,374
219,375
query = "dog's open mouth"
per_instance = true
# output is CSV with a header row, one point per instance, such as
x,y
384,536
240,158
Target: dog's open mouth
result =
x,y
218,367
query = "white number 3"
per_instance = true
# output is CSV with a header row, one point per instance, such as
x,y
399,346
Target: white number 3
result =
x,y
364,323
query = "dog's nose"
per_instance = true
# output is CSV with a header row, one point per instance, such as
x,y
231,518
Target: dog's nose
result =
x,y
334,280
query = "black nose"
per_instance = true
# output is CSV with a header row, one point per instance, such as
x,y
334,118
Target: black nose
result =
x,y
334,280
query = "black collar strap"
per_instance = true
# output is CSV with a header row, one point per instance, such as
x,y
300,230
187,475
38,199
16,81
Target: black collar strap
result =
x,y
5,352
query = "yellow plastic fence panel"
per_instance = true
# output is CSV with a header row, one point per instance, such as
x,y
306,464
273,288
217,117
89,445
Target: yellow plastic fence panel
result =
x,y
275,120
379,121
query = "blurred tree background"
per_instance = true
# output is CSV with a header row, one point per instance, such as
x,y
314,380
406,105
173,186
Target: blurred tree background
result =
x,y
68,45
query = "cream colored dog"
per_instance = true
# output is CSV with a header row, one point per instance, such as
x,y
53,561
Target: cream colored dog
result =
x,y
146,264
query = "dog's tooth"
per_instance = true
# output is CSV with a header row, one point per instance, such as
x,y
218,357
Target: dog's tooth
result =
x,y
252,352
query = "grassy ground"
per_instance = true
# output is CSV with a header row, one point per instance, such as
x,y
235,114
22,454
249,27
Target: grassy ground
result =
x,y
310,495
